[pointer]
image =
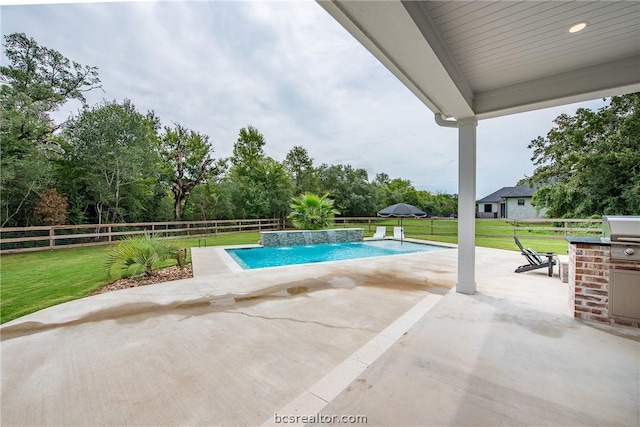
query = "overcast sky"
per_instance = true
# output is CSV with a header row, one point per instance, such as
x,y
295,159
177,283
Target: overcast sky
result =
x,y
286,68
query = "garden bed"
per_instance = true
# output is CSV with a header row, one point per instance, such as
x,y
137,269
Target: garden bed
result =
x,y
160,276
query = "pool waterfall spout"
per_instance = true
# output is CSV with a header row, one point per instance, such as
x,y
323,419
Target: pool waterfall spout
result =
x,y
310,237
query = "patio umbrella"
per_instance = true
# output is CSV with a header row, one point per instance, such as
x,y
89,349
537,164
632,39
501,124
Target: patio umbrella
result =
x,y
402,210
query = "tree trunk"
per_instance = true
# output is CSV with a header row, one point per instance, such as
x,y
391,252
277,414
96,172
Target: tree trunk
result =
x,y
177,209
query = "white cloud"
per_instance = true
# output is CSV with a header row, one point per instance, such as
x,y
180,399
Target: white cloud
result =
x,y
285,67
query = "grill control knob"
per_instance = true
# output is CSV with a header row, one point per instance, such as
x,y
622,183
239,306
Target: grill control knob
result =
x,y
629,251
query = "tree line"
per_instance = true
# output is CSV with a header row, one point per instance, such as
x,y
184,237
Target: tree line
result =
x,y
112,163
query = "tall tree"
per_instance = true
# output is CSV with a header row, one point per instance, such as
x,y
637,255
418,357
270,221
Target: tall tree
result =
x,y
35,82
41,80
264,193
275,183
259,186
381,179
248,150
589,163
400,191
111,159
354,195
300,167
188,156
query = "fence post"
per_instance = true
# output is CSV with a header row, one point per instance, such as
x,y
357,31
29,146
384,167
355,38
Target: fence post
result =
x,y
109,231
51,237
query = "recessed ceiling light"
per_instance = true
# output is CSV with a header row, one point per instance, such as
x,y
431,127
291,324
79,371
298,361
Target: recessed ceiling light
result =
x,y
579,26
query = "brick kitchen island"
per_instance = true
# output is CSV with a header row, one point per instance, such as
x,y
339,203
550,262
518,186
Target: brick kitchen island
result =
x,y
592,271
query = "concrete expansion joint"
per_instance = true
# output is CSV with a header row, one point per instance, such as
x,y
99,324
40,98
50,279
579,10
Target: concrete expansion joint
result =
x,y
319,397
327,388
315,322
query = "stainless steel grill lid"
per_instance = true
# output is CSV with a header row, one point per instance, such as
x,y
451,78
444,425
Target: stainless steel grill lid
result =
x,y
621,228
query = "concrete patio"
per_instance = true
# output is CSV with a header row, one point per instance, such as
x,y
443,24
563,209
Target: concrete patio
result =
x,y
385,338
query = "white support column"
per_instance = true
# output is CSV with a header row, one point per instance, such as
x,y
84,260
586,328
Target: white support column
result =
x,y
467,206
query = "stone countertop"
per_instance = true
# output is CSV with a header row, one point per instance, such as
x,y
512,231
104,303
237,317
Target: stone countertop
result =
x,y
588,240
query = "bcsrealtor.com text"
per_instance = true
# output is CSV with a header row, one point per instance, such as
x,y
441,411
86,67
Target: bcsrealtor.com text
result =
x,y
319,418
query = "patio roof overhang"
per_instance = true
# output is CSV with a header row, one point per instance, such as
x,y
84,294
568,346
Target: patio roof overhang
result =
x,y
473,60
494,58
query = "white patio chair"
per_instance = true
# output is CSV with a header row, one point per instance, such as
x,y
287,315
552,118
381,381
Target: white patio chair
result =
x,y
398,233
380,233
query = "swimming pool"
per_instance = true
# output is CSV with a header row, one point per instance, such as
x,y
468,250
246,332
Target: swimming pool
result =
x,y
249,258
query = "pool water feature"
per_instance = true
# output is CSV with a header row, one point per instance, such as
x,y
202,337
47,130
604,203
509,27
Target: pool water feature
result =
x,y
250,258
310,237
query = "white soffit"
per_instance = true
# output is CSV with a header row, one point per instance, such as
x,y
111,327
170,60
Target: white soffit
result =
x,y
493,58
387,30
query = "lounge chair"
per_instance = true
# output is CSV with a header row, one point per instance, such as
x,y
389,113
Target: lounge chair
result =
x,y
398,233
535,260
381,232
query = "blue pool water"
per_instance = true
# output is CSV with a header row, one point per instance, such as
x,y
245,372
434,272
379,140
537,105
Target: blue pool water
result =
x,y
249,258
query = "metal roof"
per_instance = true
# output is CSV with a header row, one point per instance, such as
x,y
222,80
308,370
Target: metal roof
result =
x,y
494,58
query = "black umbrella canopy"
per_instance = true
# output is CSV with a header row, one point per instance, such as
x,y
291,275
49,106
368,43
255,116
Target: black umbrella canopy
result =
x,y
402,210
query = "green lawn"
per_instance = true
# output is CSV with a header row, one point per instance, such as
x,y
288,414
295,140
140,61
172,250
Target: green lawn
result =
x,y
420,229
33,281
559,246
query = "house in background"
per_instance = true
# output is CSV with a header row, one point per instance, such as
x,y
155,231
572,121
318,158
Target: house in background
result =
x,y
509,202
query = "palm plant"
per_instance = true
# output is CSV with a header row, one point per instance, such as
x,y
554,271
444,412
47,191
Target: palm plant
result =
x,y
312,212
137,256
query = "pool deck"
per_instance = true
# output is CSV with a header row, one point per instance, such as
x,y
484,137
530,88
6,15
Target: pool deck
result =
x,y
386,338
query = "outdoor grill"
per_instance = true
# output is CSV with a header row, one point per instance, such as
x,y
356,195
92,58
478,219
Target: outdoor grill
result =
x,y
623,232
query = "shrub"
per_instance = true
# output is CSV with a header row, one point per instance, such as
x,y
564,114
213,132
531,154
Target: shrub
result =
x,y
135,256
51,207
